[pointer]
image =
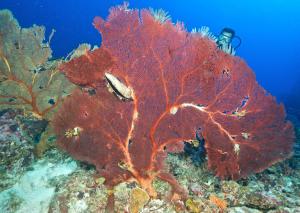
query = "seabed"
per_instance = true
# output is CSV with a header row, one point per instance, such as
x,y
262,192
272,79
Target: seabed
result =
x,y
56,183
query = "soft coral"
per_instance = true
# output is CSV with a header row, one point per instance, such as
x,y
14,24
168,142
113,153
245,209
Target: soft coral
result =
x,y
180,82
28,78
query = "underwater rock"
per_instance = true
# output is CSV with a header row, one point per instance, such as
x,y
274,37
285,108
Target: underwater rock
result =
x,y
32,127
79,193
16,153
82,191
275,189
243,209
295,160
82,187
138,199
19,138
263,201
197,189
33,191
38,132
193,206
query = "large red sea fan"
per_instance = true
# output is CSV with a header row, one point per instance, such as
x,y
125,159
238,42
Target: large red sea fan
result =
x,y
175,83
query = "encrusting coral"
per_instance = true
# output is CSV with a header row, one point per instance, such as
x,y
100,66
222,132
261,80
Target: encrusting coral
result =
x,y
29,80
178,83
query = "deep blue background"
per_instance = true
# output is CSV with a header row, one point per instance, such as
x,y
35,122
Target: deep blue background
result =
x,y
270,30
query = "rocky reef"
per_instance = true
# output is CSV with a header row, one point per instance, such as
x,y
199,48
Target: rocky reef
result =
x,y
16,153
57,183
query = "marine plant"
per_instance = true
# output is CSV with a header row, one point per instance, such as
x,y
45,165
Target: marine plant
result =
x,y
29,79
154,85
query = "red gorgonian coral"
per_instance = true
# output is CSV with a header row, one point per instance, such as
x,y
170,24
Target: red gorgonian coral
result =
x,y
175,83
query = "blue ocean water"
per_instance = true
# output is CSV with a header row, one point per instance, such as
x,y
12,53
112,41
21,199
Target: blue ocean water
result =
x,y
269,31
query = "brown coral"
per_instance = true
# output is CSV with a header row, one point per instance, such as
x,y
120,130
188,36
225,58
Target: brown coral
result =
x,y
28,79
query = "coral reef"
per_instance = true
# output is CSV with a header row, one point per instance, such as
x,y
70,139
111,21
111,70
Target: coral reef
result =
x,y
16,153
274,190
278,191
29,80
122,105
33,191
277,188
295,161
155,85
